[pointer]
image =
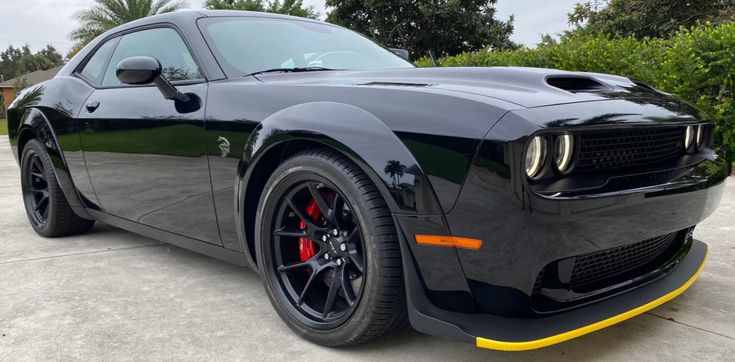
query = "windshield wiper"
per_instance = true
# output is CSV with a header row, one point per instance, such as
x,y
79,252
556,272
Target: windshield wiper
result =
x,y
289,70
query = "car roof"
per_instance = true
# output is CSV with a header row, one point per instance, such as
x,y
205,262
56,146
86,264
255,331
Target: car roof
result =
x,y
182,17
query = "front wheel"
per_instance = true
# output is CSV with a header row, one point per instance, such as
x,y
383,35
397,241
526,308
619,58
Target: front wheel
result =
x,y
329,251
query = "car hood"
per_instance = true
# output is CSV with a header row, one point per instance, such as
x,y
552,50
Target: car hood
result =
x,y
524,87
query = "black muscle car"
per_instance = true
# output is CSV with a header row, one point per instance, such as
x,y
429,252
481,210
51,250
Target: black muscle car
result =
x,y
513,208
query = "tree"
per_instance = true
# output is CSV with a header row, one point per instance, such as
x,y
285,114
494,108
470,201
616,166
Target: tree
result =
x,y
107,14
395,170
20,84
18,61
647,18
446,27
288,7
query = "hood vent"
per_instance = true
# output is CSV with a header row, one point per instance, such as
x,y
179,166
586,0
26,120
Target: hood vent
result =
x,y
576,84
397,84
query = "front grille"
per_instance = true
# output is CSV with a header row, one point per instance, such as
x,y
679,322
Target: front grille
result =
x,y
628,148
593,269
583,278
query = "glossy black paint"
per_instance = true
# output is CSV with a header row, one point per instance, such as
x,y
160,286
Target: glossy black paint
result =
x,y
138,70
47,112
524,230
444,147
147,163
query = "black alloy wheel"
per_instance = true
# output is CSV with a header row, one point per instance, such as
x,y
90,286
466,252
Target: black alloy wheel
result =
x,y
328,251
36,194
324,285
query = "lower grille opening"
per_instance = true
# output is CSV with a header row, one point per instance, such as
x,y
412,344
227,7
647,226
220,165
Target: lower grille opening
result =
x,y
594,269
564,282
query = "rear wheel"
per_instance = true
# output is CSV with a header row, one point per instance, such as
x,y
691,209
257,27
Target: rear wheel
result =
x,y
329,251
47,209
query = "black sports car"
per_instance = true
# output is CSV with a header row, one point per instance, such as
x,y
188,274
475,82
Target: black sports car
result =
x,y
513,208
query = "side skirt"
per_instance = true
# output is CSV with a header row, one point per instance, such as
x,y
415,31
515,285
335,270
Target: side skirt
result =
x,y
214,251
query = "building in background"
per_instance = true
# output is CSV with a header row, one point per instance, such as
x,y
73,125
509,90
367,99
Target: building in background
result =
x,y
7,88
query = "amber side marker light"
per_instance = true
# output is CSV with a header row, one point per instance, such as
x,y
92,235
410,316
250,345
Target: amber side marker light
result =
x,y
436,240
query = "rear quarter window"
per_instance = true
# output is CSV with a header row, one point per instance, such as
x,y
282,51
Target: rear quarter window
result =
x,y
94,70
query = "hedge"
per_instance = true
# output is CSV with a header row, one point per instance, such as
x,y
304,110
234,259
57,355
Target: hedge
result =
x,y
696,65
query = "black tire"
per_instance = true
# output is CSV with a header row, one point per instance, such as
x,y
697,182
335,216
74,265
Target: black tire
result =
x,y
378,300
46,206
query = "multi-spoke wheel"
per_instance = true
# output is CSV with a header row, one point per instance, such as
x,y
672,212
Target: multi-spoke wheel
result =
x,y
328,250
37,192
48,211
318,251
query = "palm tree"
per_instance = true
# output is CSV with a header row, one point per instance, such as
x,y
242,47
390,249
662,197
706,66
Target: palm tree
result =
x,y
107,14
395,171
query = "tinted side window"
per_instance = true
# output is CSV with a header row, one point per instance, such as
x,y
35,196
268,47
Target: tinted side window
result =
x,y
164,44
95,67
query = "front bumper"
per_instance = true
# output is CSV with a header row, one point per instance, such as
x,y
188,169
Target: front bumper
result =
x,y
487,296
518,334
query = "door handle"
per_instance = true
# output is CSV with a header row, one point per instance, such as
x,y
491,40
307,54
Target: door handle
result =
x,y
92,106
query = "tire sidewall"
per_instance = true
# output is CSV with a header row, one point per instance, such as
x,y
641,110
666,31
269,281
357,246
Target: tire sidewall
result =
x,y
305,165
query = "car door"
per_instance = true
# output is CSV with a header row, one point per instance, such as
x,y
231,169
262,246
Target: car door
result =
x,y
145,155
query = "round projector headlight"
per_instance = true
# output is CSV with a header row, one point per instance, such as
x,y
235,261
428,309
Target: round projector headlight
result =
x,y
564,152
535,156
689,137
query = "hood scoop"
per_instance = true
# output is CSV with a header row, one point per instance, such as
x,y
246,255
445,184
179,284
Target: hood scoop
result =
x,y
576,84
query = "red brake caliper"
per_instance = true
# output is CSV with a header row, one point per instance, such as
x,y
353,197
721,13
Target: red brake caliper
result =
x,y
307,249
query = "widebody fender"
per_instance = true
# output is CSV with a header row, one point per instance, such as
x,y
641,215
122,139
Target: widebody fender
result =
x,y
46,112
361,137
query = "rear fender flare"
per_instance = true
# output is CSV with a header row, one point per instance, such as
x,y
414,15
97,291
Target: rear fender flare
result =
x,y
35,121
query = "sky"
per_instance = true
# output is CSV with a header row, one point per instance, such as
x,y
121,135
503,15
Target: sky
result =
x,y
41,22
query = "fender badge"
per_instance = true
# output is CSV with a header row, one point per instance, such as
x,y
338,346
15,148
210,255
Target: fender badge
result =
x,y
224,146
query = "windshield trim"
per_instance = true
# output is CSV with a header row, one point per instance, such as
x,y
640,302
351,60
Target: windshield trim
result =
x,y
232,72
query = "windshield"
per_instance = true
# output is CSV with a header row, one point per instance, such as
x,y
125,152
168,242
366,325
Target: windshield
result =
x,y
247,45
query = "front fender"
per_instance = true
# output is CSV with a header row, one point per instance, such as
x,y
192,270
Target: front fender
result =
x,y
385,159
360,136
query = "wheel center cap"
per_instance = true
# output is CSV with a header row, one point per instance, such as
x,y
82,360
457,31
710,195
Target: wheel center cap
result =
x,y
334,245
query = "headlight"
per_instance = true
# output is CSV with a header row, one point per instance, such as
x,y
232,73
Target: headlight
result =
x,y
700,136
564,152
689,137
535,156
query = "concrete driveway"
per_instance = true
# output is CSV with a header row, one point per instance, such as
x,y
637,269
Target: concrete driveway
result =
x,y
113,295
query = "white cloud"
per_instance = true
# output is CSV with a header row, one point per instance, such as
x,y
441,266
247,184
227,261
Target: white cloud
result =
x,y
41,22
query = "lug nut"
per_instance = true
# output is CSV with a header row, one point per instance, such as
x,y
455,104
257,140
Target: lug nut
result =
x,y
335,232
343,247
339,261
324,238
326,256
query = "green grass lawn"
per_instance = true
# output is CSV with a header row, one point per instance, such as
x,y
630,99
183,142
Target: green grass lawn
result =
x,y
3,126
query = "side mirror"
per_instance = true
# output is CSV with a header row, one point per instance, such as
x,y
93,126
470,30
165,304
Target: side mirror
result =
x,y
403,53
138,70
147,70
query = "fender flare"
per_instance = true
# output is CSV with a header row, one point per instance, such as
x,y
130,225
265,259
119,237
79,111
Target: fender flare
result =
x,y
357,134
34,121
